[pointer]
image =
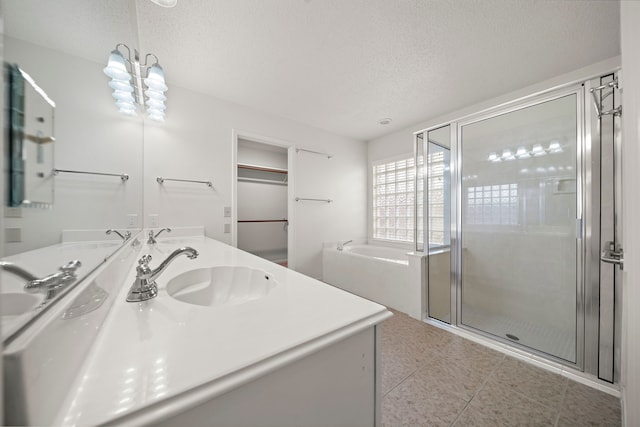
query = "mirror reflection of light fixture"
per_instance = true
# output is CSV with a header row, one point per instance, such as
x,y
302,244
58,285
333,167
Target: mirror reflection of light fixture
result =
x,y
127,83
537,150
554,147
522,153
507,154
165,3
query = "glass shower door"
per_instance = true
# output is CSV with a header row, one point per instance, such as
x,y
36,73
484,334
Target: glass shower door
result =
x,y
520,212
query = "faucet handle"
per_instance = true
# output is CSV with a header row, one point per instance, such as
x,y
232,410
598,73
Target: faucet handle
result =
x,y
71,267
144,260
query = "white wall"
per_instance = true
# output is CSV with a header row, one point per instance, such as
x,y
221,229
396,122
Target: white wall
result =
x,y
630,40
90,136
196,142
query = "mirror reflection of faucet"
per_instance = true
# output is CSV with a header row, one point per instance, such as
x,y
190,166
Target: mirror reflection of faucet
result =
x,y
152,238
125,237
50,284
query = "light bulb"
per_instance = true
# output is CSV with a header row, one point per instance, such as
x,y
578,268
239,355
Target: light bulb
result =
x,y
493,157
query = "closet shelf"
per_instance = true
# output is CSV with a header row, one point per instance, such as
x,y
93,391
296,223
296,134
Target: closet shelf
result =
x,y
262,168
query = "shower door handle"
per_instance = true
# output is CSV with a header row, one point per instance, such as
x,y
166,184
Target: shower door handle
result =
x,y
612,254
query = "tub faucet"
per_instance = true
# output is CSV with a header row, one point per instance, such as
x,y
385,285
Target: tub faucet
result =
x,y
343,244
152,239
50,284
127,235
144,287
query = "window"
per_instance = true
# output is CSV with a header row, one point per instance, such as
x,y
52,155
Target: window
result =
x,y
436,199
393,200
493,204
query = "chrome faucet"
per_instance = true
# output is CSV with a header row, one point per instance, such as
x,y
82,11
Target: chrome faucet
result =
x,y
152,239
127,235
343,244
50,284
144,287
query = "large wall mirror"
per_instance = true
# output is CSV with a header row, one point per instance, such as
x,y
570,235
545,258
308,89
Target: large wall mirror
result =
x,y
84,138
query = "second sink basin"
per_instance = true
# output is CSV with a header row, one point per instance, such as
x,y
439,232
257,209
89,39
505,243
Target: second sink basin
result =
x,y
216,286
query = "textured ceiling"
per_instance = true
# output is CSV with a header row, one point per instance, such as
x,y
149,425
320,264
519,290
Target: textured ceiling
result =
x,y
340,65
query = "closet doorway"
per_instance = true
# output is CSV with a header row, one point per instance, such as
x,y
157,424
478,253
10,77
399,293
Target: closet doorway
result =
x,y
262,194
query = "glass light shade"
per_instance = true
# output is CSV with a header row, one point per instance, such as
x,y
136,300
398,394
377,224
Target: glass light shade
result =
x,y
156,115
165,3
116,67
554,147
155,78
522,153
507,154
125,105
121,86
123,96
537,150
155,94
128,111
155,104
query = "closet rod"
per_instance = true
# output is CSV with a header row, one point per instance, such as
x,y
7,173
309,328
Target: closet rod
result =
x,y
314,152
265,181
263,220
302,199
262,168
123,176
162,180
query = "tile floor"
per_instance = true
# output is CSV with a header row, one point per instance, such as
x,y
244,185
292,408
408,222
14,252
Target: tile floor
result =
x,y
431,377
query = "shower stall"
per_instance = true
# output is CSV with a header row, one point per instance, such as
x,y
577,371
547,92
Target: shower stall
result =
x,y
516,207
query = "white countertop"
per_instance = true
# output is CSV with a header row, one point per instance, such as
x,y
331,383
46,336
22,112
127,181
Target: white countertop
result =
x,y
167,351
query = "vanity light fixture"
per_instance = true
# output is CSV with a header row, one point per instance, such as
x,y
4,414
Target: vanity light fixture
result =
x,y
127,83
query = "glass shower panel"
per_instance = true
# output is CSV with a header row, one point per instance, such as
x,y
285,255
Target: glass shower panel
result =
x,y
438,222
518,226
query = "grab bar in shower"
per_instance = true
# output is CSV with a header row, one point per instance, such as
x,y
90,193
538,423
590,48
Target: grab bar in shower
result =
x,y
123,176
304,199
598,103
162,180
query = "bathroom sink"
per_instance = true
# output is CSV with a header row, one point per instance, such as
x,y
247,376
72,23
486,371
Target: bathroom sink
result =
x,y
215,286
15,304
